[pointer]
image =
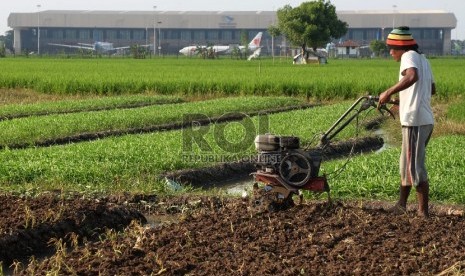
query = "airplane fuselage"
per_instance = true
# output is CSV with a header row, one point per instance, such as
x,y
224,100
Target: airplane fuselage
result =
x,y
223,49
98,47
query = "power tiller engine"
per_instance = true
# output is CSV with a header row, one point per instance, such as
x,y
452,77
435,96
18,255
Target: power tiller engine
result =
x,y
284,168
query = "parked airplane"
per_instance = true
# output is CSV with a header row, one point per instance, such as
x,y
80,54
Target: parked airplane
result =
x,y
98,47
253,46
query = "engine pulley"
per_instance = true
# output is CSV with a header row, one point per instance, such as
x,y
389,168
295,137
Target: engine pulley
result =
x,y
295,169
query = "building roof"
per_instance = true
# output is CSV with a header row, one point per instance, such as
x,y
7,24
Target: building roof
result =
x,y
412,18
220,19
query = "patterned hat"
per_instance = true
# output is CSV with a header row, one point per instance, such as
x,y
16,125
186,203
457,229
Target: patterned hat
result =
x,y
401,38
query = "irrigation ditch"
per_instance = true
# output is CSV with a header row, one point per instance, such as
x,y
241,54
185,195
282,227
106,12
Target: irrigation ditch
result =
x,y
227,174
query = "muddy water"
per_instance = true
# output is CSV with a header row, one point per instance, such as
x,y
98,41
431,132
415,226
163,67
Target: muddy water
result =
x,y
238,186
386,145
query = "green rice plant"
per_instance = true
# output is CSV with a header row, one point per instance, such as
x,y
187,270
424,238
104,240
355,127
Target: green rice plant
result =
x,y
456,111
376,176
93,104
310,125
134,162
31,130
341,79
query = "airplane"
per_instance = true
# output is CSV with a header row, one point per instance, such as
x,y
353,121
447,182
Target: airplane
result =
x,y
98,47
254,45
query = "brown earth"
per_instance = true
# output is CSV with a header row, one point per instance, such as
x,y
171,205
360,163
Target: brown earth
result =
x,y
190,235
28,223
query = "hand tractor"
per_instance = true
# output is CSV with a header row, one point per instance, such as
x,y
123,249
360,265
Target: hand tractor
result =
x,y
284,169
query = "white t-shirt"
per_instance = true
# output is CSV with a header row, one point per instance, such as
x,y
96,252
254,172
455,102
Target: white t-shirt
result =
x,y
415,101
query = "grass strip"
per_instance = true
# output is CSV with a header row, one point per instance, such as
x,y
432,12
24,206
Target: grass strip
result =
x,y
376,176
456,111
133,162
12,111
44,130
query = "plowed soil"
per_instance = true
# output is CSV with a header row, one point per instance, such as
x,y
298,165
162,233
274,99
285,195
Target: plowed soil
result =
x,y
221,236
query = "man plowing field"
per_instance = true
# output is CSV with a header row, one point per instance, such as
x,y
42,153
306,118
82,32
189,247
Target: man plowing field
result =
x,y
415,88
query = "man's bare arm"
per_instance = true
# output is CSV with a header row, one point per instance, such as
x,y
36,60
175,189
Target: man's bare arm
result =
x,y
410,77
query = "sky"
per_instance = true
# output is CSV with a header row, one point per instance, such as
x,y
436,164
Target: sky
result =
x,y
10,6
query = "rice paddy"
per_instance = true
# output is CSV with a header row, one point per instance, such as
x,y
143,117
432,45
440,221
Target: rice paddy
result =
x,y
136,94
339,79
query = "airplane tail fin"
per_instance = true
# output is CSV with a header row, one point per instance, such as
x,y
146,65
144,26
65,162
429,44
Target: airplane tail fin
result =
x,y
256,40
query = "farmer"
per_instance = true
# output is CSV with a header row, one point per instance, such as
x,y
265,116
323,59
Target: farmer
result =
x,y
415,87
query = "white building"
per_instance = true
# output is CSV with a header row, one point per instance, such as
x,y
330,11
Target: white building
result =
x,y
172,30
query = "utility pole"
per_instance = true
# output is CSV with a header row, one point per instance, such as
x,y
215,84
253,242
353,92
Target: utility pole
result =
x,y
394,16
38,29
154,30
159,37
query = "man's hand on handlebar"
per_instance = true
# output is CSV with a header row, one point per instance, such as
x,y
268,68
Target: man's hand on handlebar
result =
x,y
384,98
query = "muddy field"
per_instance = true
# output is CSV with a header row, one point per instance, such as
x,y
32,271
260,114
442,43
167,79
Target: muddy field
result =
x,y
221,236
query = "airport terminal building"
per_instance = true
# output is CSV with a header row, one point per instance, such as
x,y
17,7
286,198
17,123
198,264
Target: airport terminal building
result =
x,y
170,31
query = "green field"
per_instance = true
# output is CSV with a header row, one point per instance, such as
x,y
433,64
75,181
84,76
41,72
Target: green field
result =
x,y
36,129
139,159
170,76
120,94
